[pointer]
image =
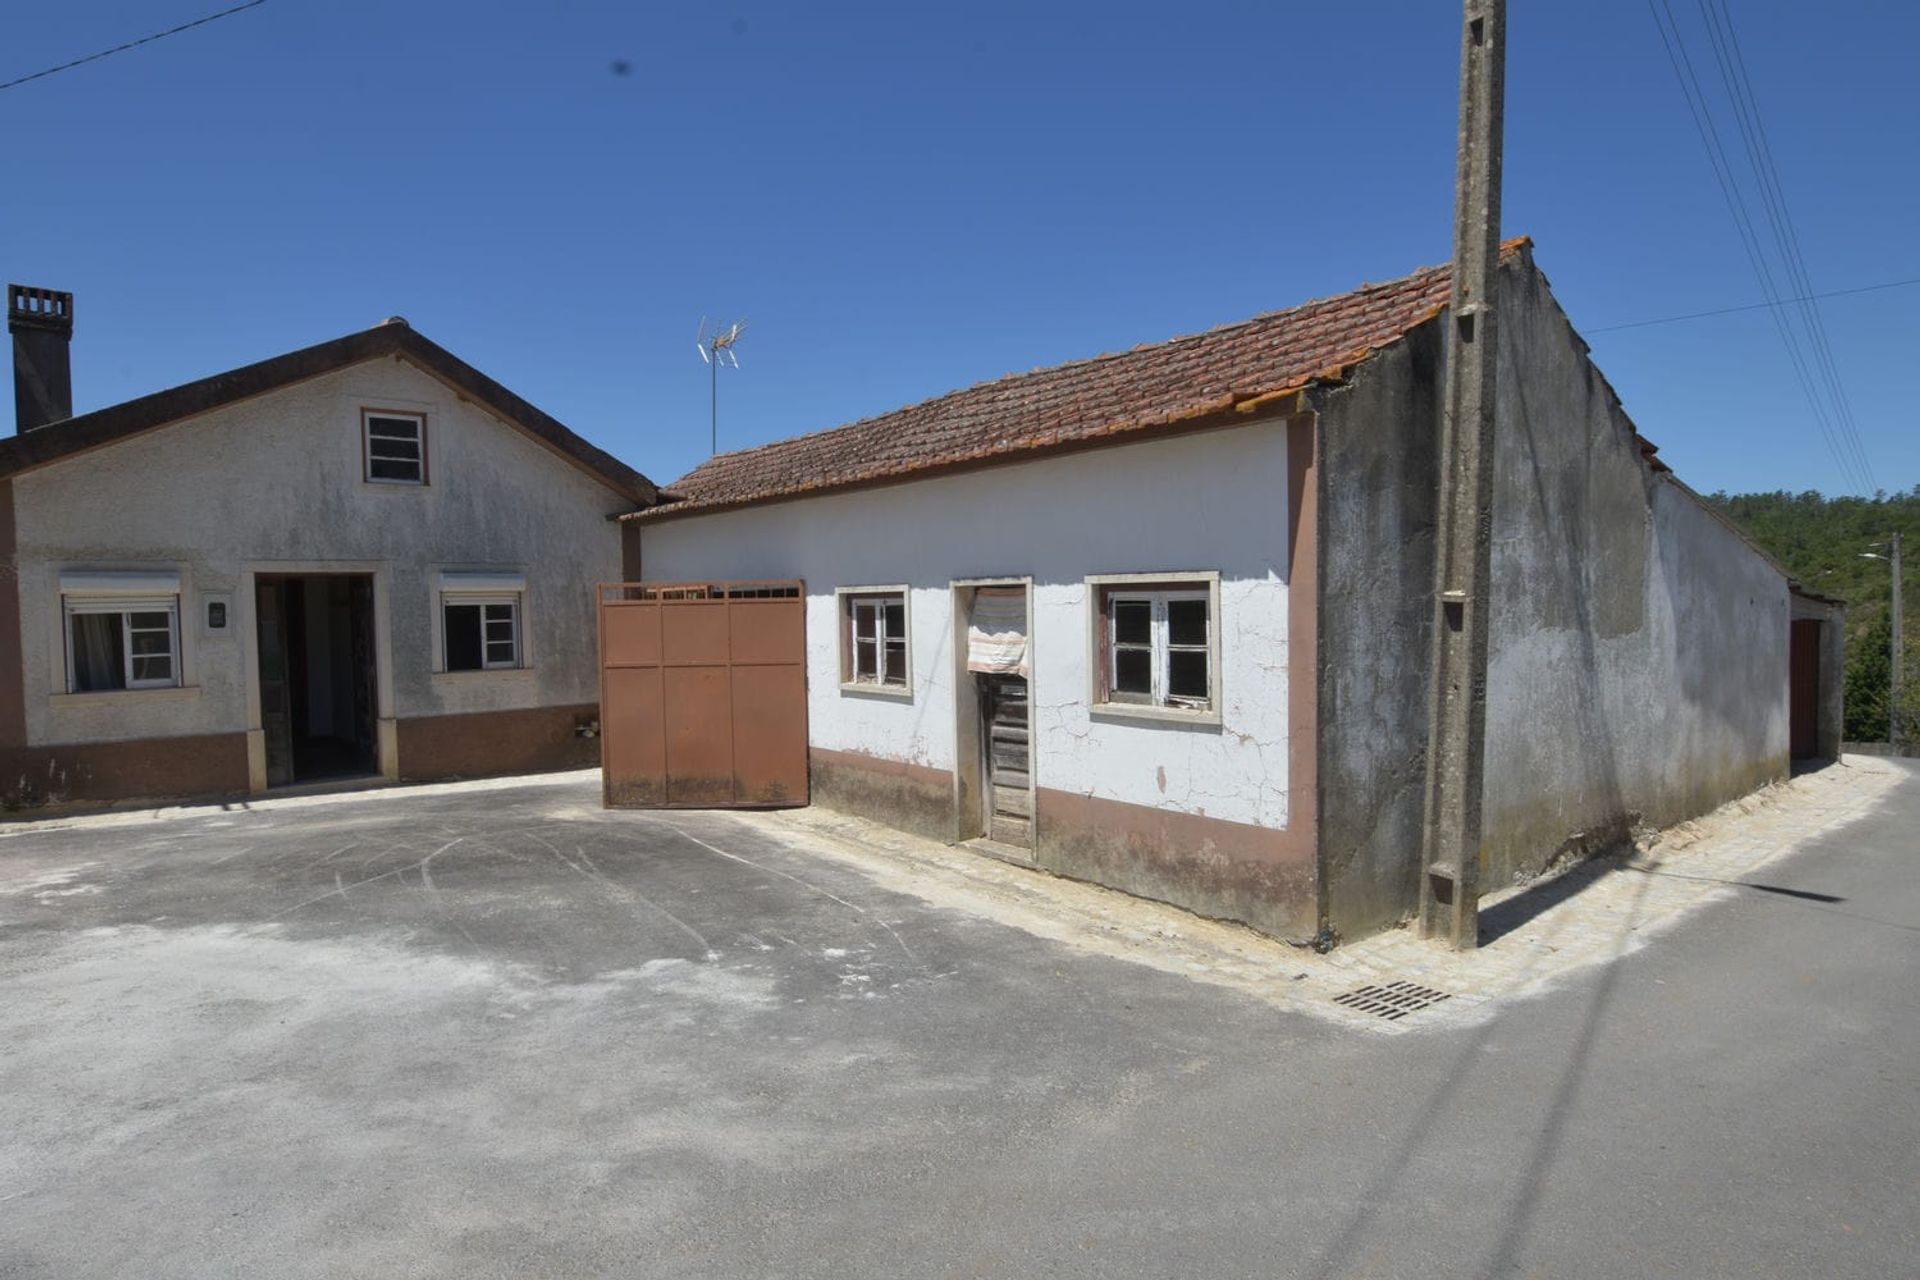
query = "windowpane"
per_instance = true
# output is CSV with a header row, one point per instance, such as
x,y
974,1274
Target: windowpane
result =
x,y
152,642
500,653
1187,622
160,668
876,639
1187,674
461,625
1132,621
393,469
408,449
396,449
98,655
1133,670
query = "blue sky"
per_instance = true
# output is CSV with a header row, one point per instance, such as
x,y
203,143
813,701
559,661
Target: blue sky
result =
x,y
906,199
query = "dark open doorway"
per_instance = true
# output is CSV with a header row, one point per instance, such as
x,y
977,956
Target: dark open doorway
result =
x,y
1803,701
318,701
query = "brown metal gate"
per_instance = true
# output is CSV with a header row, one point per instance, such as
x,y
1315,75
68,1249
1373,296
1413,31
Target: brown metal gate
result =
x,y
703,694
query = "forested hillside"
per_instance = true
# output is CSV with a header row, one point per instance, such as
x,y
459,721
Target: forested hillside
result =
x,y
1826,544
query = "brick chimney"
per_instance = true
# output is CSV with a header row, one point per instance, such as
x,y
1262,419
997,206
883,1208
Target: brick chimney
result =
x,y
41,322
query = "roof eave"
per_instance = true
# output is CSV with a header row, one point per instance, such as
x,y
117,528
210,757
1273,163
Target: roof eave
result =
x,y
1232,411
71,437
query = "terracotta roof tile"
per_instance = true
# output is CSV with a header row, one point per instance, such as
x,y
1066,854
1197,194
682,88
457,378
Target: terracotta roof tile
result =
x,y
1152,385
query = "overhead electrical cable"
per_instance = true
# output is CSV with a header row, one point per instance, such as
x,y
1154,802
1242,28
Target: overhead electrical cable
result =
x,y
1733,73
1802,354
1746,306
133,44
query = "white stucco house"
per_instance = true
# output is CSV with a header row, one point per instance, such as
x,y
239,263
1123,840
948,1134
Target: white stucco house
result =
x,y
1162,619
360,558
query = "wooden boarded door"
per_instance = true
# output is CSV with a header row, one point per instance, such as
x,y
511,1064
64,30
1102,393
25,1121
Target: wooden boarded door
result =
x,y
703,695
998,618
1008,795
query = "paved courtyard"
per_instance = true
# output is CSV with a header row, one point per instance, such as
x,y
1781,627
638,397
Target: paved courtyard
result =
x,y
493,1030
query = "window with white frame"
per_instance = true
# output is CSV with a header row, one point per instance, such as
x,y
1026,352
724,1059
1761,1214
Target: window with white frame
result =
x,y
1158,645
480,632
122,642
873,638
396,446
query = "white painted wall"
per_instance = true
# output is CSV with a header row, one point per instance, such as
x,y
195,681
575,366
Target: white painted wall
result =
x,y
1214,501
274,484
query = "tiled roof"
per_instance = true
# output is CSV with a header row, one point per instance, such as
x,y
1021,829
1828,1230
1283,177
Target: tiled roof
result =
x,y
1157,385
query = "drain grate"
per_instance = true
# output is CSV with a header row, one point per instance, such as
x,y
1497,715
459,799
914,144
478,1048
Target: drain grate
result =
x,y
1393,1001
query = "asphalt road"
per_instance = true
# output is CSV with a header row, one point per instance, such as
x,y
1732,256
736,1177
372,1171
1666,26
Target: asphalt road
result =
x,y
503,1033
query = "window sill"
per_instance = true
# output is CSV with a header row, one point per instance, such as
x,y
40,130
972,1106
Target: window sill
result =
x,y
1154,715
485,673
121,697
892,693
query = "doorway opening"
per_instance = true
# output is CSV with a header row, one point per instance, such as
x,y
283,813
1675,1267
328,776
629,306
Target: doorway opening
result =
x,y
318,696
1804,684
994,782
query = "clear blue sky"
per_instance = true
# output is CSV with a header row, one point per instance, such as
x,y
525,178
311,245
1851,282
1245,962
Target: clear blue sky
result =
x,y
910,198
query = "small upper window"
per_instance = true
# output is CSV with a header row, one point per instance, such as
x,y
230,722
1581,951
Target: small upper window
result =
x,y
481,633
873,639
1158,646
122,643
396,445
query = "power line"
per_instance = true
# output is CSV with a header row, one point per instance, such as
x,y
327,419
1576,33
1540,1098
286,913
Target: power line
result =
x,y
1749,306
1697,107
1733,71
134,44
1810,358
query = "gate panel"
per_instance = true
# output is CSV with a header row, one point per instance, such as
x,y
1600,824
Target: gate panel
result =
x,y
699,724
633,751
767,703
703,694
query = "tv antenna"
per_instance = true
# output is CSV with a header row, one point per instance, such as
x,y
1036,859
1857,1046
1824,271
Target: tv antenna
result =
x,y
716,345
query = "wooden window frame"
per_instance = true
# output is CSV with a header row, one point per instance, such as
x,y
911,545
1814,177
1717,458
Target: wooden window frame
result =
x,y
484,600
416,416
849,599
1157,589
125,607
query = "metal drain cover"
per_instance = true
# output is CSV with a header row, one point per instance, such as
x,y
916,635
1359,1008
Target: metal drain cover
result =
x,y
1392,1001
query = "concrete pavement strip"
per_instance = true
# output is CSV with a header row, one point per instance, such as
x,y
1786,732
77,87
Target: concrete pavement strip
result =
x,y
1537,933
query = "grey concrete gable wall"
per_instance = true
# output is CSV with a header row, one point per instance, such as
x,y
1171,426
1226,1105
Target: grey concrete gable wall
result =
x,y
1639,647
1376,524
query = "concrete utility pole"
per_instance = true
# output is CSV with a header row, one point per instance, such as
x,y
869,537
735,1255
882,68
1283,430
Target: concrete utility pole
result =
x,y
1894,705
1457,723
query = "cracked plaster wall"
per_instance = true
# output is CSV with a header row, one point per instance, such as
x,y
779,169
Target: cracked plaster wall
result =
x,y
1210,501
